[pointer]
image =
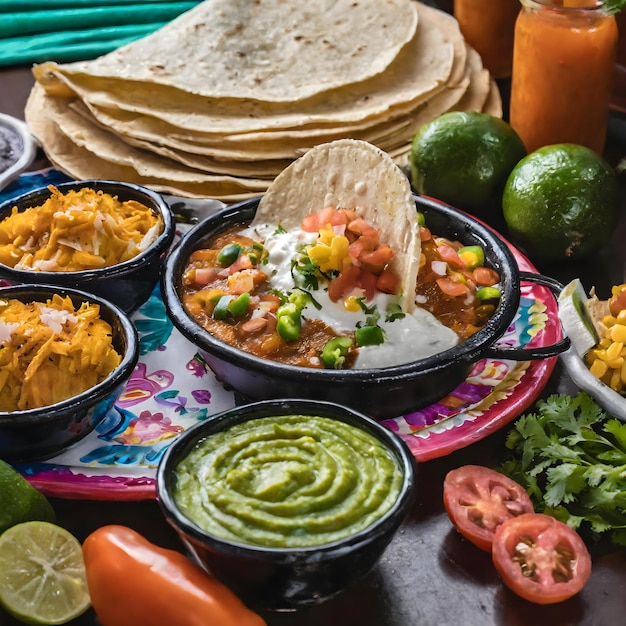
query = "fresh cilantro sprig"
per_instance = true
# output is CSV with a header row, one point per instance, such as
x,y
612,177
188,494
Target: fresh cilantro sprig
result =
x,y
570,455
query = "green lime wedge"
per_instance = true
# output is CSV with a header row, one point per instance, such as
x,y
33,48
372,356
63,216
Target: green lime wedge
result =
x,y
575,317
42,574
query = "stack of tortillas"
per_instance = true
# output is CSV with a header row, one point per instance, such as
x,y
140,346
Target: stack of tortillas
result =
x,y
222,99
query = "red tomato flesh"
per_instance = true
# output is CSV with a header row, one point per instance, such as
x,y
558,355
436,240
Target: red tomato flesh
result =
x,y
540,558
479,499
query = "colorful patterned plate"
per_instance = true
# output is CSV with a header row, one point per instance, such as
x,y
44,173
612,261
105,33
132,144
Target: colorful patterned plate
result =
x,y
172,388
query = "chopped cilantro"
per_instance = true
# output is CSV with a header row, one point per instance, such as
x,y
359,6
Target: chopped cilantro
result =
x,y
394,312
570,455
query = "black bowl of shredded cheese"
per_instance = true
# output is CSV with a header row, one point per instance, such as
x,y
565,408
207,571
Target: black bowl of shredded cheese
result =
x,y
65,357
104,237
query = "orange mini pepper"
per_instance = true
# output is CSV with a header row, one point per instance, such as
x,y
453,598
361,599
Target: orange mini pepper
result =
x,y
133,582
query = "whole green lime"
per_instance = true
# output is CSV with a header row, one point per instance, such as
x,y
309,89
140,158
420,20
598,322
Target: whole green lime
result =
x,y
464,158
19,500
561,203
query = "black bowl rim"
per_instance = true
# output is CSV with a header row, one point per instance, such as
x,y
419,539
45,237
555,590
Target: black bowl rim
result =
x,y
467,351
285,406
94,394
39,195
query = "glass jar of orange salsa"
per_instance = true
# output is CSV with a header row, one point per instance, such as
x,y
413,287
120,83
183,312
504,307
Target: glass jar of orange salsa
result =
x,y
563,65
488,27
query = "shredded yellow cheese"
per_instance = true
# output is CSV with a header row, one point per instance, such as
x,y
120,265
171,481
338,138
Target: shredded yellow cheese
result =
x,y
75,231
50,351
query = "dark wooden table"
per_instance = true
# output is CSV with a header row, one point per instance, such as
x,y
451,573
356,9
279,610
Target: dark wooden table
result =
x,y
429,575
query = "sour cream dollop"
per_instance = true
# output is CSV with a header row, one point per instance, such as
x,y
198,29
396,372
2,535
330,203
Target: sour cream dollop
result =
x,y
415,336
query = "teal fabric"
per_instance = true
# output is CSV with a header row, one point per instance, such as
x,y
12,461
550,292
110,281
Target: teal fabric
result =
x,y
62,30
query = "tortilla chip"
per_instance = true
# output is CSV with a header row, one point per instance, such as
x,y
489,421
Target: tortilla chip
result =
x,y
351,174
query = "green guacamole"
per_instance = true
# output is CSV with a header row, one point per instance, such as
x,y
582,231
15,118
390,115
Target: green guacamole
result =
x,y
288,481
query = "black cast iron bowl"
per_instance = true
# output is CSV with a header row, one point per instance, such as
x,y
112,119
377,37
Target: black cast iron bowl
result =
x,y
128,284
384,392
44,432
284,578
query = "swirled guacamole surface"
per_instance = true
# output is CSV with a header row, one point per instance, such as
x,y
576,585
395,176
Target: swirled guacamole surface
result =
x,y
287,481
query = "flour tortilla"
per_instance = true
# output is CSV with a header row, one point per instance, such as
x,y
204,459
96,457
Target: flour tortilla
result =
x,y
422,66
351,174
76,160
269,50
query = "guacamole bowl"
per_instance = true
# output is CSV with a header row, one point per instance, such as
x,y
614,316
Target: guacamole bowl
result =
x,y
127,281
379,391
58,387
287,502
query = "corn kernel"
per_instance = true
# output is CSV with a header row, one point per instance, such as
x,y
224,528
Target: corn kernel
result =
x,y
599,368
615,364
613,351
600,354
616,383
609,320
623,373
618,333
351,304
621,317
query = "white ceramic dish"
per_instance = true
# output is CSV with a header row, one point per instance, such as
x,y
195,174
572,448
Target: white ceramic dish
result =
x,y
27,148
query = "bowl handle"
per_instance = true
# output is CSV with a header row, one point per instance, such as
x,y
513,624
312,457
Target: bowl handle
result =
x,y
523,354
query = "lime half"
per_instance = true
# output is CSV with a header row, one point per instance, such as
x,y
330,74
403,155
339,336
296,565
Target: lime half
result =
x,y
42,574
575,317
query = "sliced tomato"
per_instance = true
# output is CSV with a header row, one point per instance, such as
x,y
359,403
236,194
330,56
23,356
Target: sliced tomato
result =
x,y
479,499
540,558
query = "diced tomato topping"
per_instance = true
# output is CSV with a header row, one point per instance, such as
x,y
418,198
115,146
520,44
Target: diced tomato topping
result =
x,y
205,275
344,283
367,281
243,262
452,288
425,234
360,227
387,281
376,260
450,255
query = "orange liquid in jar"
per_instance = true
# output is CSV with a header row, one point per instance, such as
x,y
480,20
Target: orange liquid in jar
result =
x,y
488,27
563,66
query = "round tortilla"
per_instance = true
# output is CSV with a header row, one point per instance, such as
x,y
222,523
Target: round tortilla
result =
x,y
269,50
422,66
351,174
